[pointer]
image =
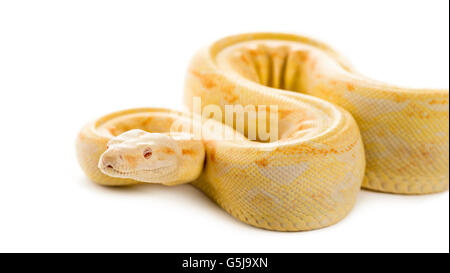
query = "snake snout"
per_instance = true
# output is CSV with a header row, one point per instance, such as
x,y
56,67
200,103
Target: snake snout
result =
x,y
108,161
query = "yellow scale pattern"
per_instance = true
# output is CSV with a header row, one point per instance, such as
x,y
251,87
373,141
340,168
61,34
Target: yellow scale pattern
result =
x,y
309,178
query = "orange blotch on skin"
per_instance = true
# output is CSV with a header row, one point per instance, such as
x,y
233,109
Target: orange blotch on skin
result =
x,y
317,196
231,98
187,152
435,101
262,162
303,56
212,154
146,122
399,98
350,87
333,82
283,113
167,150
210,81
324,91
417,112
253,52
131,160
206,80
228,94
245,59
113,131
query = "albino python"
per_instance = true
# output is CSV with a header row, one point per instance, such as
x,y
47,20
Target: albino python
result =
x,y
395,139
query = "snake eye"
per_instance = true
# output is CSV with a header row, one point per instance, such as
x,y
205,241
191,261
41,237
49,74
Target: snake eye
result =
x,y
147,153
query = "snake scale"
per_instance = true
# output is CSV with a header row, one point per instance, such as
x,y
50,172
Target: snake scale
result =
x,y
336,131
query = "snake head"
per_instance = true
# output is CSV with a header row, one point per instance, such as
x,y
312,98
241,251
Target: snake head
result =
x,y
142,156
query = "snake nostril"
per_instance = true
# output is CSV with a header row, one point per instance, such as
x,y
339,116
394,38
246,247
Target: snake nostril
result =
x,y
109,166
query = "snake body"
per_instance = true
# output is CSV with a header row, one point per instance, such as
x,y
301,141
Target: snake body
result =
x,y
310,175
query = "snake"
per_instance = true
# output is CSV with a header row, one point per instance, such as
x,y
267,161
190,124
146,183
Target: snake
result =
x,y
336,131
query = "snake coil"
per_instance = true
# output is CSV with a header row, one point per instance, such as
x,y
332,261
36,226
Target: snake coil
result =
x,y
387,139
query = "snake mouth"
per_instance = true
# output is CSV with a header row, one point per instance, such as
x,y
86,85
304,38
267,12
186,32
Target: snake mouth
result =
x,y
144,175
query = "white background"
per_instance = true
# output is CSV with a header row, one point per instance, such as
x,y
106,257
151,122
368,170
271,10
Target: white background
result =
x,y
64,63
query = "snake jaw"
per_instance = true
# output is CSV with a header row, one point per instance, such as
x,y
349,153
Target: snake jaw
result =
x,y
156,175
141,156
